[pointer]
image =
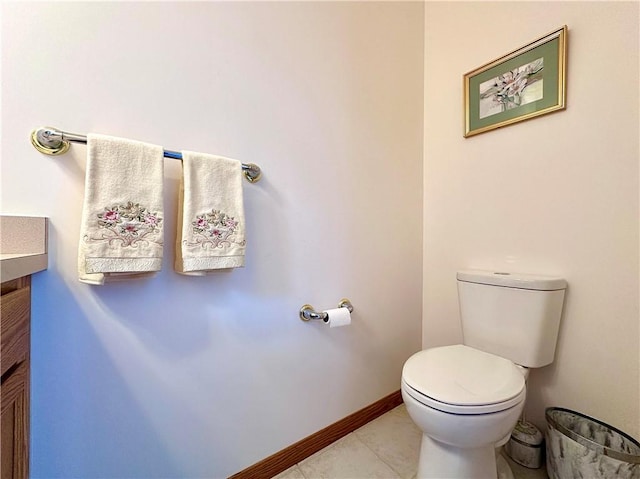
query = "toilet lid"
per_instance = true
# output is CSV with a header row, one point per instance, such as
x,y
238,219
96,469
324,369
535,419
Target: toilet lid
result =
x,y
463,376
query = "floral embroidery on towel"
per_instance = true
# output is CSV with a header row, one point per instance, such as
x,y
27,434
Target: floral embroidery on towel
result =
x,y
215,230
127,224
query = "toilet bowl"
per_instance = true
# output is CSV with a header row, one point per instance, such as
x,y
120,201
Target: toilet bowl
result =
x,y
466,402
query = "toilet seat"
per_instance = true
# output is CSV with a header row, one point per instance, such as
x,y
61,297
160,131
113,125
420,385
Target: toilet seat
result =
x,y
456,409
462,380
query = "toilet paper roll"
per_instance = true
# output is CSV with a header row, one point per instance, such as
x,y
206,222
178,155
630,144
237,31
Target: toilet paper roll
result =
x,y
338,317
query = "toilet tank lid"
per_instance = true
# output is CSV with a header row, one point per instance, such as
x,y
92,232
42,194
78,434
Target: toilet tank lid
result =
x,y
513,280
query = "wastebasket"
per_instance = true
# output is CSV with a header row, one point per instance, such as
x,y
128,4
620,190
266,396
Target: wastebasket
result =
x,y
579,446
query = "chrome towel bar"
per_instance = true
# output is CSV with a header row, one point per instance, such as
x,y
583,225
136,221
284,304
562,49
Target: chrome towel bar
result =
x,y
307,313
52,141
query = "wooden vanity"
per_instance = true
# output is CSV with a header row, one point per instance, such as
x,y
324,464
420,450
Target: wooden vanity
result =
x,y
23,251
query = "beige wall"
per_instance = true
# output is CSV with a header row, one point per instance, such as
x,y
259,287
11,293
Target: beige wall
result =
x,y
557,194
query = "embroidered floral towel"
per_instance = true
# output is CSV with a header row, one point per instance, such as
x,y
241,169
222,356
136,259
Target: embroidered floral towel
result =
x,y
210,215
121,232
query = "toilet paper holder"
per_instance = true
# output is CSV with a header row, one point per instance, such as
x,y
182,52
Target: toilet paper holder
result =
x,y
307,313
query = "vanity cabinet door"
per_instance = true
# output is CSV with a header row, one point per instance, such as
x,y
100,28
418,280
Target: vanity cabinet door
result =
x,y
15,312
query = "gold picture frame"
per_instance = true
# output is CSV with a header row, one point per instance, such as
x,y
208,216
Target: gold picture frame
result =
x,y
518,86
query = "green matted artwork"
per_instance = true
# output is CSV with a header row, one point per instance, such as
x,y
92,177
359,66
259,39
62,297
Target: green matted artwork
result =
x,y
523,84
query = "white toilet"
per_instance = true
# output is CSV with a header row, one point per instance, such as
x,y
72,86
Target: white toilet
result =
x,y
467,398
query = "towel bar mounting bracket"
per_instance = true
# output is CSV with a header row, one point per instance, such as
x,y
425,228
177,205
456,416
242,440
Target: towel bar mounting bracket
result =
x,y
49,141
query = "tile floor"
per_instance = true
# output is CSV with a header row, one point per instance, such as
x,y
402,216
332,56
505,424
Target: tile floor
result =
x,y
387,448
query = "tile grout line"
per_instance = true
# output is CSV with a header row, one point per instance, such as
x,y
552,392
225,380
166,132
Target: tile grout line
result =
x,y
398,473
355,433
321,452
301,471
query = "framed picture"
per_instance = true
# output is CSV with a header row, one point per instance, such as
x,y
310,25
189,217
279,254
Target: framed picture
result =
x,y
523,84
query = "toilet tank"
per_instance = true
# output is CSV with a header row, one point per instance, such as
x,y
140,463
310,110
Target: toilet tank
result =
x,y
515,316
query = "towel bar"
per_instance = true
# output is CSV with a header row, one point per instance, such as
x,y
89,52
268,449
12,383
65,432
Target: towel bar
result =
x,y
51,141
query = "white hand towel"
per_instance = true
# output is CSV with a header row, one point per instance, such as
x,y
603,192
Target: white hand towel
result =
x,y
121,233
211,227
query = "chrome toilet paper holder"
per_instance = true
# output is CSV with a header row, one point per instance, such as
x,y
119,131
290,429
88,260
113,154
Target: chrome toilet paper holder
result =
x,y
307,313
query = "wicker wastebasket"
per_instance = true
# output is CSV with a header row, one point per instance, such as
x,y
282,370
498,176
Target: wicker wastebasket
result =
x,y
579,446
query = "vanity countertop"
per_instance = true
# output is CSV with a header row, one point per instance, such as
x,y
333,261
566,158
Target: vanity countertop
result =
x,y
23,246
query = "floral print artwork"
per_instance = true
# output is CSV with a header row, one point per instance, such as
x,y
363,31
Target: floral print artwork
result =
x,y
127,225
513,88
215,229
